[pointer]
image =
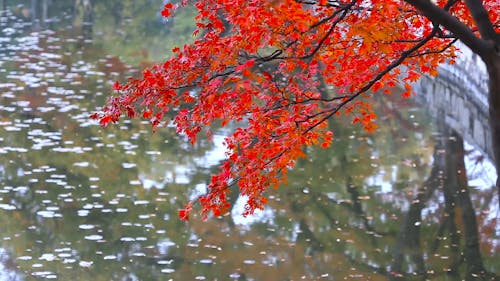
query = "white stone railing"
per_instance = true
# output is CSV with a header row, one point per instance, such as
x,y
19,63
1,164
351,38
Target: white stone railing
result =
x,y
459,95
469,72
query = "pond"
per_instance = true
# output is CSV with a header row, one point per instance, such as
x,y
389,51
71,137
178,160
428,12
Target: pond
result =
x,y
412,201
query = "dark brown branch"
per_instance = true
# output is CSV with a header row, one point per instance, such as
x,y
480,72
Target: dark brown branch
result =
x,y
322,41
379,76
483,22
463,32
333,4
436,51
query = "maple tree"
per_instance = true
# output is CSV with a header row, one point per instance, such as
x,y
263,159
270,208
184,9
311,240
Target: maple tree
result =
x,y
281,69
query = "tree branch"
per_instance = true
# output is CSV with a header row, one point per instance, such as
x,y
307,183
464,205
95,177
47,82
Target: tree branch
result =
x,y
458,28
480,16
436,51
366,87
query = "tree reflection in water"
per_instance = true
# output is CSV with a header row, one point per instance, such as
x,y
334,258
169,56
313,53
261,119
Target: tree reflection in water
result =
x,y
460,242
432,235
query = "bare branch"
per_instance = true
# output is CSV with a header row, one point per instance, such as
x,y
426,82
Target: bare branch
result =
x,y
394,64
460,30
436,51
483,22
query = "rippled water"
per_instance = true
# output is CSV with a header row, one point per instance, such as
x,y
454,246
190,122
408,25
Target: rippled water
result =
x,y
85,203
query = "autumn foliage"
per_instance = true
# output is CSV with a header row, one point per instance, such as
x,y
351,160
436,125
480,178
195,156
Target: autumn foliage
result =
x,y
278,70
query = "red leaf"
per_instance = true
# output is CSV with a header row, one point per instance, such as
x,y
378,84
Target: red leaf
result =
x,y
105,120
166,12
147,114
246,65
117,86
184,214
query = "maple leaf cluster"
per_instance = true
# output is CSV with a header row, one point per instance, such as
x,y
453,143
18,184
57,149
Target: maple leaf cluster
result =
x,y
279,70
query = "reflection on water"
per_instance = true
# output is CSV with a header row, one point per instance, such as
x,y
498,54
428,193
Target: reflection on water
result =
x,y
85,203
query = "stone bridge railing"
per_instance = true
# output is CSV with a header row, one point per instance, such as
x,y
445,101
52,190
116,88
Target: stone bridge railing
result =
x,y
459,95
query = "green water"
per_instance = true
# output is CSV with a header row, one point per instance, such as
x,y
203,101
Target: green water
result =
x,y
81,202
